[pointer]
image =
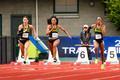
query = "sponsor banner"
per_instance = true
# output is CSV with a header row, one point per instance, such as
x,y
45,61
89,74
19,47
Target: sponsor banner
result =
x,y
68,48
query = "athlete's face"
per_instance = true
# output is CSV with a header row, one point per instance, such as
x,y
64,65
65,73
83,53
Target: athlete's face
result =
x,y
99,21
25,20
53,21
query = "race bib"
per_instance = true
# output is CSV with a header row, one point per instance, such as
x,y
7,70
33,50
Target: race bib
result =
x,y
25,35
98,36
54,35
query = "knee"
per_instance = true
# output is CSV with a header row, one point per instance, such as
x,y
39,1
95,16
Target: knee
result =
x,y
54,46
25,48
95,48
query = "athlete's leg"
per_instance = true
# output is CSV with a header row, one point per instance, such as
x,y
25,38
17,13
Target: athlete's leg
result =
x,y
55,44
21,52
50,43
102,55
27,43
96,45
102,52
21,46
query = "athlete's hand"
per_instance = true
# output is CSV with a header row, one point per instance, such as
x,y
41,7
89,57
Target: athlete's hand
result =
x,y
70,37
51,29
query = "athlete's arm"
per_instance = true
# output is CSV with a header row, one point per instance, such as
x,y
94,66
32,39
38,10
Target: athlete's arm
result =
x,y
19,28
33,31
92,26
48,30
104,30
65,31
19,32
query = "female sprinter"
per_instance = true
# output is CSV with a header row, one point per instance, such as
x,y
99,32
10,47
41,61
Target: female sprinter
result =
x,y
100,30
24,31
53,38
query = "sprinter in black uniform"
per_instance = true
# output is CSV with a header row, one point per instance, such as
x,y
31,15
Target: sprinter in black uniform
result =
x,y
53,35
24,31
99,30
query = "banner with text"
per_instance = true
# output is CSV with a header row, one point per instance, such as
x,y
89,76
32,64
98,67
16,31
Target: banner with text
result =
x,y
68,48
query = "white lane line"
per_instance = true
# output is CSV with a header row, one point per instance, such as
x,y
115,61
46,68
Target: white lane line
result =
x,y
106,78
27,69
36,69
53,72
73,75
50,72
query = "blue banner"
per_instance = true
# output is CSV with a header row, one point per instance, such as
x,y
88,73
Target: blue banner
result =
x,y
67,46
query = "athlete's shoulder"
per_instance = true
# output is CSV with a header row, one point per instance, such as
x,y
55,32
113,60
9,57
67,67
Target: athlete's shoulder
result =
x,y
20,26
31,26
59,25
48,26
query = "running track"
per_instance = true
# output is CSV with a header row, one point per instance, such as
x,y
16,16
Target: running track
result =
x,y
64,71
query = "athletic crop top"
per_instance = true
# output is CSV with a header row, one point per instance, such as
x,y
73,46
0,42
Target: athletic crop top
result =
x,y
26,32
97,30
98,33
54,33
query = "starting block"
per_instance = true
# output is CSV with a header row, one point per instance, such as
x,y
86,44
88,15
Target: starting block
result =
x,y
112,56
50,59
82,56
